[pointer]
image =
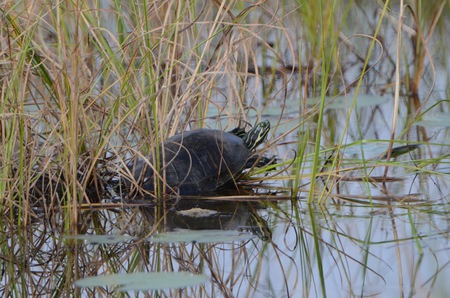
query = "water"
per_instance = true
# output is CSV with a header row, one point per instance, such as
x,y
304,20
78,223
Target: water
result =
x,y
367,238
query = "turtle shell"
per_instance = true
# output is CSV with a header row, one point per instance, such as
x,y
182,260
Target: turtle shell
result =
x,y
195,162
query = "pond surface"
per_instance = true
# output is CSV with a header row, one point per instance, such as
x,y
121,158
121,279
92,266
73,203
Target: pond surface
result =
x,y
391,243
356,249
335,218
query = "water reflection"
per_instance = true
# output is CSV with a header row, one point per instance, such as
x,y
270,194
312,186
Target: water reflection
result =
x,y
342,250
203,214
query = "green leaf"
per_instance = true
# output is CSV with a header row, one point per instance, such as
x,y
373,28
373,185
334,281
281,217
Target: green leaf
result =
x,y
102,239
201,236
143,280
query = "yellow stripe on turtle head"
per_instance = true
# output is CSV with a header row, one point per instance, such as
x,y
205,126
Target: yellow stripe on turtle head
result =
x,y
256,135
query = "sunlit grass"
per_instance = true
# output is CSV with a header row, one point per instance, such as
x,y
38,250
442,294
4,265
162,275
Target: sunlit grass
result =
x,y
87,85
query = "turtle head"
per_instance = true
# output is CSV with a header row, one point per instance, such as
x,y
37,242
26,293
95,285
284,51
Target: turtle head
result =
x,y
256,135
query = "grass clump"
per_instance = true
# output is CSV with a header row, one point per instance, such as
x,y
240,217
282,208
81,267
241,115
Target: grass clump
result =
x,y
87,85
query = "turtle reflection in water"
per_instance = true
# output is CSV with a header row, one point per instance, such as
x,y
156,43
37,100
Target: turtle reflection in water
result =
x,y
199,215
202,161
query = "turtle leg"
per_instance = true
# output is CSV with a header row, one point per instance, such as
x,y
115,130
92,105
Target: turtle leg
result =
x,y
238,131
260,161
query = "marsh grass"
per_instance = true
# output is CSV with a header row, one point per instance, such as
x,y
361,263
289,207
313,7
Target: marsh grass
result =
x,y
88,85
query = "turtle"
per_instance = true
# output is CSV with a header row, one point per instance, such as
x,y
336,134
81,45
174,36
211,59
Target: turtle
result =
x,y
201,161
